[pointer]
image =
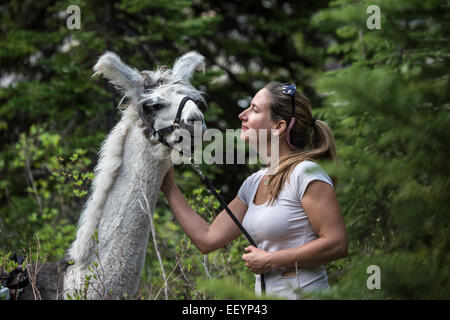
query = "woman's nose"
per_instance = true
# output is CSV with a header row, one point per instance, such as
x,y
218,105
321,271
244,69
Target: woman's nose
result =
x,y
242,115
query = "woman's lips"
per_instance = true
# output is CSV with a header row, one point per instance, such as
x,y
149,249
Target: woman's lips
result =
x,y
244,128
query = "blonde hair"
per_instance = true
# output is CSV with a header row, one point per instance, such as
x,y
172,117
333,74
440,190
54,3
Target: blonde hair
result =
x,y
313,138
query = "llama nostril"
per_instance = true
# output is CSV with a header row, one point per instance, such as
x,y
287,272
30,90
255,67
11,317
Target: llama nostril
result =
x,y
196,120
192,121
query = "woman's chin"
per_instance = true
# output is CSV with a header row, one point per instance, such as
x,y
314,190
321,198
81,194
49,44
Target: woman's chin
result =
x,y
243,136
246,133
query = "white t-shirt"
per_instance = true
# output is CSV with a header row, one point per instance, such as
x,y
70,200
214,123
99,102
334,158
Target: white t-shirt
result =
x,y
284,225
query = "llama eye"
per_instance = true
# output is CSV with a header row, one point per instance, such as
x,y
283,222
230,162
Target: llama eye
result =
x,y
157,106
150,108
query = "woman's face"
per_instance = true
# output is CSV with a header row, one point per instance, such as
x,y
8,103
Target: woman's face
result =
x,y
257,116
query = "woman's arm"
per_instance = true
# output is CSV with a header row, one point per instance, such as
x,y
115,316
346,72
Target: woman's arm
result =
x,y
322,207
205,237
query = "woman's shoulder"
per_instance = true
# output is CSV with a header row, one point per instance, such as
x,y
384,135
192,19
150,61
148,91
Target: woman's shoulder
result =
x,y
305,172
307,165
309,168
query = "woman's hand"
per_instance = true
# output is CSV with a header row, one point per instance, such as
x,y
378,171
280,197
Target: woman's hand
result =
x,y
257,260
168,182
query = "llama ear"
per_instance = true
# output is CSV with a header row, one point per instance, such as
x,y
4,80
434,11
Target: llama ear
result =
x,y
185,66
125,78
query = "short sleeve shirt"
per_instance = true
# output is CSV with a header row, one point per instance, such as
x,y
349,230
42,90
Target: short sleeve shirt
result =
x,y
284,224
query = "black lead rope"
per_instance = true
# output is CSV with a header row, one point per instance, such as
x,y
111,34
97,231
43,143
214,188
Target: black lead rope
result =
x,y
211,189
206,181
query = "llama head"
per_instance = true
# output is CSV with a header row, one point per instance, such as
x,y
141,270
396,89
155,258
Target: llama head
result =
x,y
162,90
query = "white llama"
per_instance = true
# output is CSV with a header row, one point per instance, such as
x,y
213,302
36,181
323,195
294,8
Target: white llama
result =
x,y
131,167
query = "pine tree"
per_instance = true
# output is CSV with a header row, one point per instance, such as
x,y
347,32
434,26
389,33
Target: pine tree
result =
x,y
388,103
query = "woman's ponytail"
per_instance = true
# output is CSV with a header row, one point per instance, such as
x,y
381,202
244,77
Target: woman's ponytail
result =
x,y
313,138
321,140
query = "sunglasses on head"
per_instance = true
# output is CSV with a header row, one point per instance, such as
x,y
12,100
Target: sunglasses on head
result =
x,y
290,90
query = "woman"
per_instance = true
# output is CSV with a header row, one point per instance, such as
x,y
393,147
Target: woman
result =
x,y
292,214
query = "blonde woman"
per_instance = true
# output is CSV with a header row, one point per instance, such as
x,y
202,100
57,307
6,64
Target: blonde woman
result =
x,y
292,213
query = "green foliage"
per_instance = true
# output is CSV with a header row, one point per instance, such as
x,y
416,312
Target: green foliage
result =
x,y
54,183
7,265
228,290
389,112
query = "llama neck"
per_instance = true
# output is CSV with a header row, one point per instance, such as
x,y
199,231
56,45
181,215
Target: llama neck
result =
x,y
126,156
124,227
